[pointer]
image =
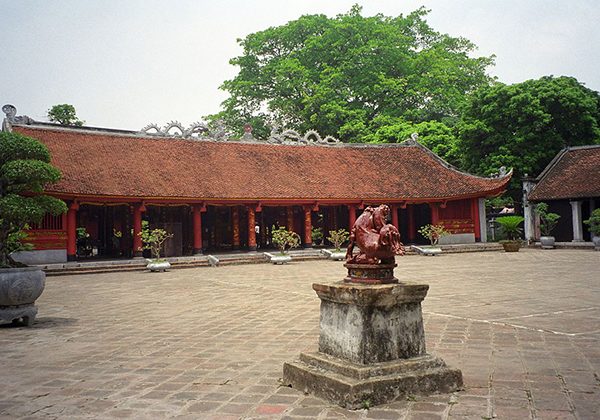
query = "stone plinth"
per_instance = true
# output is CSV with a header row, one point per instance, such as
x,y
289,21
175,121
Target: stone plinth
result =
x,y
371,347
355,386
371,324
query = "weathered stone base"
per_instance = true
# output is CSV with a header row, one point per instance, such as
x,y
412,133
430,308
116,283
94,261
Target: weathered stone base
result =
x,y
26,313
355,386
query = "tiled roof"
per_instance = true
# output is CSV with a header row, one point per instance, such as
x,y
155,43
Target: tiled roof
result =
x,y
574,173
110,164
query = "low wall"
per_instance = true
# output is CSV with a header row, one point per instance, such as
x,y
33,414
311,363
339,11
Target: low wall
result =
x,y
457,238
44,256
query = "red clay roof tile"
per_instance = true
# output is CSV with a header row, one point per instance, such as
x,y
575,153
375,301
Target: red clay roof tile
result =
x,y
106,164
574,173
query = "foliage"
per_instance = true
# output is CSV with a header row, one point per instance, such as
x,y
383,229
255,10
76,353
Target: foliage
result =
x,y
548,221
64,114
525,125
284,239
433,232
24,169
15,242
338,237
154,239
337,75
316,235
511,226
439,137
594,222
82,233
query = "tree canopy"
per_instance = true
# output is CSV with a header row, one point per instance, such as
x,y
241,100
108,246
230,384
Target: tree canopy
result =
x,y
64,114
337,75
24,168
526,124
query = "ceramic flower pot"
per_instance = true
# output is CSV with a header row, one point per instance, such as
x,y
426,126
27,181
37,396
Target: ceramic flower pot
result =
x,y
547,242
596,241
511,246
156,266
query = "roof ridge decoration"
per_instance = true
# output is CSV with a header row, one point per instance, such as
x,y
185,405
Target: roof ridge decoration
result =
x,y
292,137
196,130
201,131
12,118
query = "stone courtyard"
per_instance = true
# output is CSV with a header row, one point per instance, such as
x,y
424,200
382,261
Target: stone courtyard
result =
x,y
209,343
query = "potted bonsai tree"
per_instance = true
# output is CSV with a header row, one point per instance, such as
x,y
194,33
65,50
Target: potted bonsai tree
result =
x,y
548,221
153,240
284,240
594,227
433,233
337,239
511,227
25,170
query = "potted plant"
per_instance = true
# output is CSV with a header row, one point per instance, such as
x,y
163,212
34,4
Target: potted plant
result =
x,y
284,240
153,240
433,233
594,227
316,235
24,172
84,245
548,221
337,239
511,227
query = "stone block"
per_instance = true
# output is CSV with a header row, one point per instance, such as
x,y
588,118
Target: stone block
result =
x,y
371,323
355,386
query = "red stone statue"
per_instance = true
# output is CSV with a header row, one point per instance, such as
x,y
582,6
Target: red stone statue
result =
x,y
378,242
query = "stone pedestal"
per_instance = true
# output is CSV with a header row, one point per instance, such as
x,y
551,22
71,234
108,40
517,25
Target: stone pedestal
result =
x,y
371,346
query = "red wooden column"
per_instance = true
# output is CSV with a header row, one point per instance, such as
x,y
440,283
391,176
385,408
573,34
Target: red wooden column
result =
x,y
72,231
290,218
412,230
251,229
307,227
435,213
197,223
137,229
235,231
351,217
475,217
394,210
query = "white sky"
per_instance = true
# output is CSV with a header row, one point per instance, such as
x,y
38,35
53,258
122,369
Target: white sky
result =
x,y
125,63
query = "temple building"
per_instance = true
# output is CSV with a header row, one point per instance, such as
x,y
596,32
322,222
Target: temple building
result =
x,y
570,185
215,194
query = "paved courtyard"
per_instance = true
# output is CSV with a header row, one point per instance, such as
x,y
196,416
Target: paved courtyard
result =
x,y
210,342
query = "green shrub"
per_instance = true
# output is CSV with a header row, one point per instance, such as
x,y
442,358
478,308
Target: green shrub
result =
x,y
284,239
510,226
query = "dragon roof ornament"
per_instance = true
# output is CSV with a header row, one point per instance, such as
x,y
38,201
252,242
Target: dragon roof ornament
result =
x,y
294,138
201,131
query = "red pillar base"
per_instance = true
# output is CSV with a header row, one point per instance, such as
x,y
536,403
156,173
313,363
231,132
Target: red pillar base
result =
x,y
252,248
197,251
308,245
71,257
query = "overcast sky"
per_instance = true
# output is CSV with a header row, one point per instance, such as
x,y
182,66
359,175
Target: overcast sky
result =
x,y
124,64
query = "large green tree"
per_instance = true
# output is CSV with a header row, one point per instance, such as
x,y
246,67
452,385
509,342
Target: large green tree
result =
x,y
437,136
338,74
525,125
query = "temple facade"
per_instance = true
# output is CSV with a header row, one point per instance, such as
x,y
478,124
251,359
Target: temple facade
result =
x,y
217,194
570,185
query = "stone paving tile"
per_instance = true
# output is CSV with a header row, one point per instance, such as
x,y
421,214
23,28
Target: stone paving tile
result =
x,y
210,342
